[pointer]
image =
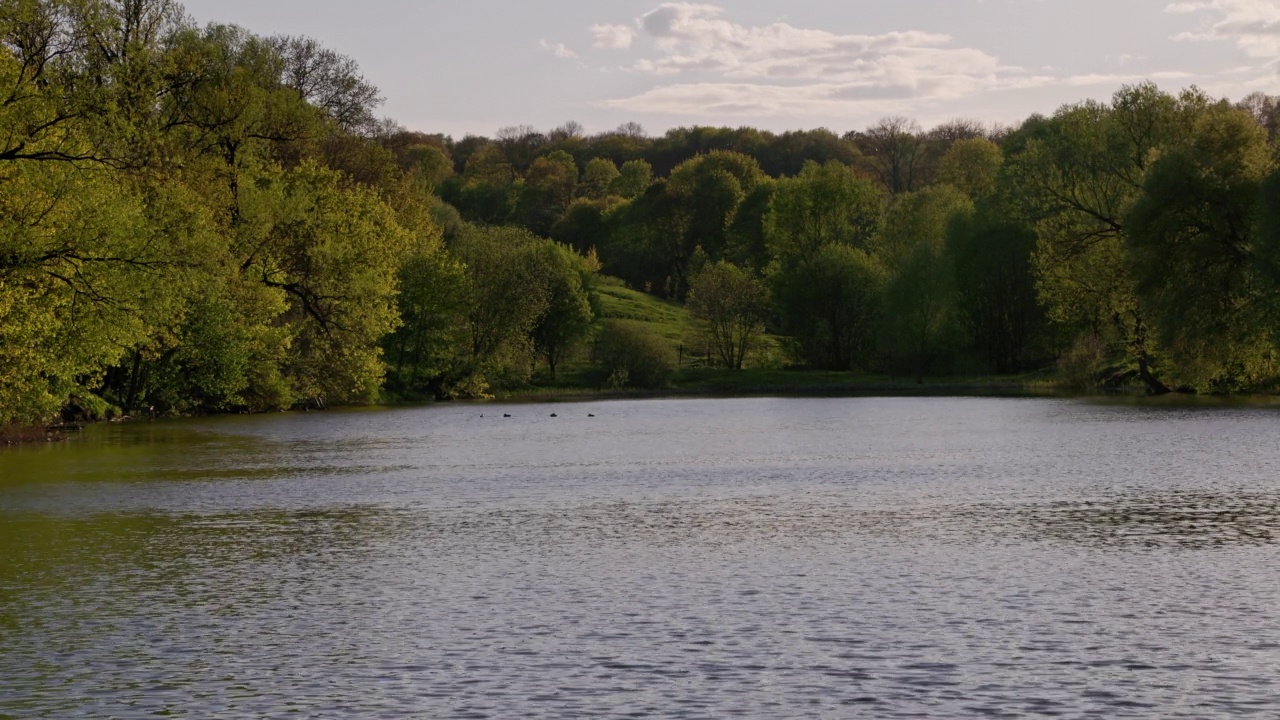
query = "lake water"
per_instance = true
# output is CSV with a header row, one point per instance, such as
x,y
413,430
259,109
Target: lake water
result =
x,y
766,558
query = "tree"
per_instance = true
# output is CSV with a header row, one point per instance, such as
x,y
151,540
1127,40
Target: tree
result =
x,y
824,204
920,323
507,295
830,306
427,352
585,225
329,81
1077,175
895,151
520,145
598,178
1190,245
694,208
734,304
990,252
972,166
633,179
333,253
785,155
748,244
547,191
568,315
429,165
82,263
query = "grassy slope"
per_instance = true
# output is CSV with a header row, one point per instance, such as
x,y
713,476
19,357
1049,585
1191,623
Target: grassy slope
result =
x,y
666,318
672,322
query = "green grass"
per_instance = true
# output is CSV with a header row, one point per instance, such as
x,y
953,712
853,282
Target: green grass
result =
x,y
674,324
764,381
666,318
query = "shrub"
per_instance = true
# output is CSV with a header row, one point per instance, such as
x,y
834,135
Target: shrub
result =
x,y
629,355
1081,366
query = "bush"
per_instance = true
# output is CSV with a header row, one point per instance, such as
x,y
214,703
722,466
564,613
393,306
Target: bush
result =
x,y
628,355
1081,366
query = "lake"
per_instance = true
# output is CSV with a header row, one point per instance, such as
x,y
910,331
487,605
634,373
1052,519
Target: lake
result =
x,y
765,558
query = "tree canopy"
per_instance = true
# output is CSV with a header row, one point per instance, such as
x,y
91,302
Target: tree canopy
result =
x,y
203,219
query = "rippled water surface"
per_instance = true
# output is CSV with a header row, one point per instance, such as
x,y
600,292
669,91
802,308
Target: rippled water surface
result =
x,y
765,558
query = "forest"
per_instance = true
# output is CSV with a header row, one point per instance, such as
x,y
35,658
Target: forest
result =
x,y
199,219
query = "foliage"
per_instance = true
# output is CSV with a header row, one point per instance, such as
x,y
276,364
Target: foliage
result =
x,y
830,306
203,219
972,166
823,205
628,355
990,252
569,314
734,304
920,322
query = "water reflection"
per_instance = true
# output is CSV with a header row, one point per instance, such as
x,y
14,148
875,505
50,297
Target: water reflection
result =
x,y
1184,519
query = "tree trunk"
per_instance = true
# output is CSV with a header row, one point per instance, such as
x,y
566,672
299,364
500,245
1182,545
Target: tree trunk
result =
x,y
132,397
1154,386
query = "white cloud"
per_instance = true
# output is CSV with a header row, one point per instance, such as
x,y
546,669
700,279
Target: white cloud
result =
x,y
1252,25
780,69
617,37
694,38
708,65
560,50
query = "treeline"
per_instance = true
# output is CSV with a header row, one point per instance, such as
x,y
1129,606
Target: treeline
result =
x,y
197,218
201,219
1132,243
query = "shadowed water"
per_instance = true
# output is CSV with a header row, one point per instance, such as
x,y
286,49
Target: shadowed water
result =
x,y
767,558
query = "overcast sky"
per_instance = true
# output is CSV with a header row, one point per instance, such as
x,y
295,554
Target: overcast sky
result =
x,y
461,67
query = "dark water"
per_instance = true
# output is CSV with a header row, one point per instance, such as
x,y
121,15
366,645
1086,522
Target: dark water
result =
x,y
765,558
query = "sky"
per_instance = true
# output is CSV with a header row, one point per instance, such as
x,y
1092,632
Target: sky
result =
x,y
472,67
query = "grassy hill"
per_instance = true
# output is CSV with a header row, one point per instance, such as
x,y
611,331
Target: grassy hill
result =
x,y
670,321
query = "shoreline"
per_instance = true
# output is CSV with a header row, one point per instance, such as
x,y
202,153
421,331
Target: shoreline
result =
x,y
745,386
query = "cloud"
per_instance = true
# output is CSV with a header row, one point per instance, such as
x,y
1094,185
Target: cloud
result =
x,y
815,99
727,68
693,38
617,37
560,50
706,64
1252,25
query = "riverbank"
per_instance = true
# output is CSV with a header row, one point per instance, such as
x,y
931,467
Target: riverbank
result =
x,y
721,383
707,382
27,434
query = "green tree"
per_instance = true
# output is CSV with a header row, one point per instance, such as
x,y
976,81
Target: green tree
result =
x,y
334,254
633,179
598,178
991,255
506,297
920,319
629,355
734,305
830,306
971,165
1190,241
547,191
1077,175
569,314
824,204
427,353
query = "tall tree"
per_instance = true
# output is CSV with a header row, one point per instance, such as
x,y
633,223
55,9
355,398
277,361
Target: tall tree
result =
x,y
896,152
734,305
